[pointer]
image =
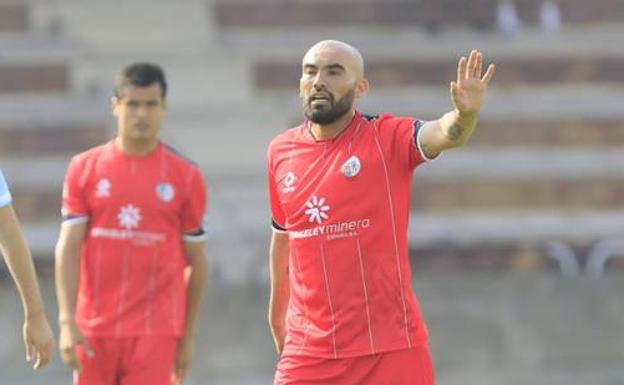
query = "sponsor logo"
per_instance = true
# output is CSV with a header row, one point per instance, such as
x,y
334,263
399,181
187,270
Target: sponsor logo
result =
x,y
102,189
129,216
165,192
333,230
317,209
289,181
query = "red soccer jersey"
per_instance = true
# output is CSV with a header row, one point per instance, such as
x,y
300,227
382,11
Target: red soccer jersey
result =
x,y
139,210
345,205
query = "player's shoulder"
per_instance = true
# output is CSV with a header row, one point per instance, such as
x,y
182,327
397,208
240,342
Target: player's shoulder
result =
x,y
178,158
386,118
92,153
284,139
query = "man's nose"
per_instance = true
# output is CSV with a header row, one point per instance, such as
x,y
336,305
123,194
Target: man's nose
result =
x,y
319,82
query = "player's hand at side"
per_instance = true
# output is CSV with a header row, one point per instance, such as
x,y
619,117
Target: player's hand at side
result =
x,y
70,338
38,339
183,360
468,92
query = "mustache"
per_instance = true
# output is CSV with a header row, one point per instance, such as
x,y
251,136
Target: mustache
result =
x,y
321,95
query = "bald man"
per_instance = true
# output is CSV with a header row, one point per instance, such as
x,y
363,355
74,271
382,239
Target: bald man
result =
x,y
342,310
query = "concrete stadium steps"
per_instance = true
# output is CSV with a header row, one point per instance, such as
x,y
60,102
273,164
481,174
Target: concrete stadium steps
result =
x,y
569,133
481,13
129,26
405,72
196,80
536,104
519,194
404,42
33,78
39,140
473,227
14,18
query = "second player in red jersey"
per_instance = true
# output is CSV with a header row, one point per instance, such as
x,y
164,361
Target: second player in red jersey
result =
x,y
133,213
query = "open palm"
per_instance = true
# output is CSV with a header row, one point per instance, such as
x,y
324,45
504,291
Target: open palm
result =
x,y
468,92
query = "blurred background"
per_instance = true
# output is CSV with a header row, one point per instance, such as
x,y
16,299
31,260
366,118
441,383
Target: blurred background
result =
x,y
516,241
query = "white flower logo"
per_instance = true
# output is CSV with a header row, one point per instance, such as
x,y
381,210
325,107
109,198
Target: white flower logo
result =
x,y
317,209
129,216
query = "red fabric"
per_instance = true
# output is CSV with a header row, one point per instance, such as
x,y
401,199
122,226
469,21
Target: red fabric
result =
x,y
128,361
345,205
401,367
138,208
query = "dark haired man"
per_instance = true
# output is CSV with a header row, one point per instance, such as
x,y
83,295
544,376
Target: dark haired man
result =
x,y
130,264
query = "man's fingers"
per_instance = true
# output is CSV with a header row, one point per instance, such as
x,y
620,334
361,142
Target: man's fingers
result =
x,y
454,91
29,350
488,74
472,61
38,361
43,355
87,348
69,357
461,69
479,66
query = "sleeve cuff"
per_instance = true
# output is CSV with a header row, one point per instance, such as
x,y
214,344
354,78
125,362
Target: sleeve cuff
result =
x,y
5,199
71,220
277,228
418,124
195,236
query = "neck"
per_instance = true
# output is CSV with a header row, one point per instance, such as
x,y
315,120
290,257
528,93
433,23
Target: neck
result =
x,y
332,130
136,146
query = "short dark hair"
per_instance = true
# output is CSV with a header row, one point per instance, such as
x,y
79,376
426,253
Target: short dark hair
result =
x,y
141,75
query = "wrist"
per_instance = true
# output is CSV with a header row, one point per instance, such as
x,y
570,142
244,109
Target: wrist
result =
x,y
34,313
66,321
466,117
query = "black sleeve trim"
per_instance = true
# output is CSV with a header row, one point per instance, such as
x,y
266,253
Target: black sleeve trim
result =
x,y
276,226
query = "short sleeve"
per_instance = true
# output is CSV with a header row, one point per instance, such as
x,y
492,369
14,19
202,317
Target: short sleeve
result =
x,y
278,219
401,134
194,207
75,208
5,194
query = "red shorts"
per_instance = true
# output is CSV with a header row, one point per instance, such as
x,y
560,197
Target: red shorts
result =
x,y
402,367
128,361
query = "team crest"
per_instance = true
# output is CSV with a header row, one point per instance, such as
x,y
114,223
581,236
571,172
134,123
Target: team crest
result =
x,y
351,167
165,192
103,188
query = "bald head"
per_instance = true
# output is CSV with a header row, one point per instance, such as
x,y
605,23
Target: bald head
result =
x,y
336,52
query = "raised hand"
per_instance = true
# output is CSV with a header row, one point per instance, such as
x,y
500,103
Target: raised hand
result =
x,y
468,92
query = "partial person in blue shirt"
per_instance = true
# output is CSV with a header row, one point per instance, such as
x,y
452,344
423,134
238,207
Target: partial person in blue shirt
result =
x,y
37,334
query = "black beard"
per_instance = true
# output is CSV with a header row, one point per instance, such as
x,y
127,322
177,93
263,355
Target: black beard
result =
x,y
337,110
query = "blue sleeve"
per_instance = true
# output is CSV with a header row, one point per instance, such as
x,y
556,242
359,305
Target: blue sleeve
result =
x,y
5,194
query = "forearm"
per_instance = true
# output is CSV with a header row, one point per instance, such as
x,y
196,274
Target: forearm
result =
x,y
21,267
195,293
457,127
19,261
67,276
280,286
278,305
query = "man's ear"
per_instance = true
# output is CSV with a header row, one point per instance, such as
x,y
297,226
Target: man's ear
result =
x,y
361,88
114,103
